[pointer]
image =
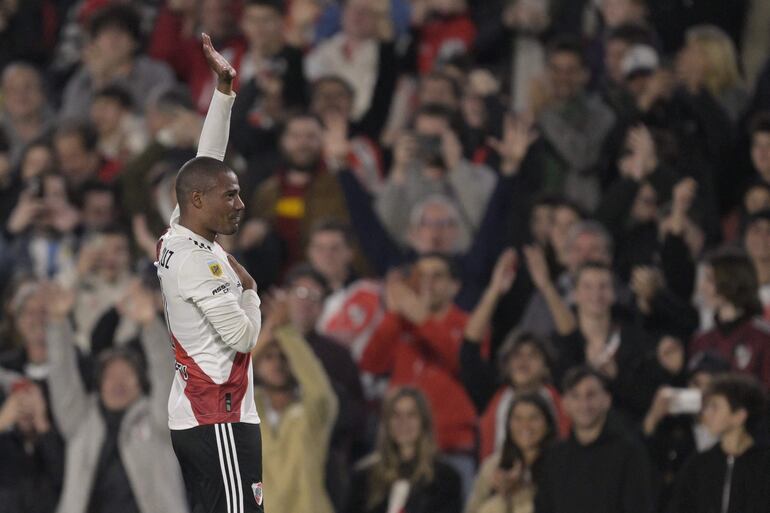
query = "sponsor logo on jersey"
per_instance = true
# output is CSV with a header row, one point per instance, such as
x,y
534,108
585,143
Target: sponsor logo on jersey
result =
x,y
257,489
215,269
224,288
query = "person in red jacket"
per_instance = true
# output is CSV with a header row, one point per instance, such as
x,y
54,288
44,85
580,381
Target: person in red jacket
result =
x,y
740,336
418,344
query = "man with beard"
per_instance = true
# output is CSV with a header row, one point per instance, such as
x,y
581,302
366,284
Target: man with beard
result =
x,y
301,190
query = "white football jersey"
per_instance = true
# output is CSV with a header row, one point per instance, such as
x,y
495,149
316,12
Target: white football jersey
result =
x,y
213,324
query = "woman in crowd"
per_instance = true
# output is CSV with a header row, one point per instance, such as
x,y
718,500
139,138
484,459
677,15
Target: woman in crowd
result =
x,y
404,473
507,479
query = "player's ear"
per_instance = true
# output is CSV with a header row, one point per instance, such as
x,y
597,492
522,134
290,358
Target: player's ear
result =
x,y
196,198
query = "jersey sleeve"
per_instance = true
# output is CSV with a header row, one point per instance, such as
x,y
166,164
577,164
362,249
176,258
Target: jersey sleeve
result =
x,y
202,281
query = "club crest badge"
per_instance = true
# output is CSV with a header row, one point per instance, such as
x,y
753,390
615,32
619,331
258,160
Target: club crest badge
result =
x,y
215,269
257,489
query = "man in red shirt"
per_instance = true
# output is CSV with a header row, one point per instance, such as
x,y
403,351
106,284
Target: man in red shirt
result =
x,y
418,344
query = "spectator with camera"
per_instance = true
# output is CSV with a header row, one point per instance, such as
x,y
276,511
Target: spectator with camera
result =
x,y
430,161
673,427
33,452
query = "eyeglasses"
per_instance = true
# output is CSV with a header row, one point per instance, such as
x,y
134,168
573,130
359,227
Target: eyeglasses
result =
x,y
306,293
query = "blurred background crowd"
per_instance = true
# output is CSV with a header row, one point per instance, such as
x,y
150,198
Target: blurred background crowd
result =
x,y
514,255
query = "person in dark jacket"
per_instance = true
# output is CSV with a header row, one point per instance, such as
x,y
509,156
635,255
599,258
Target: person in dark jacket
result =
x,y
597,469
734,476
404,473
603,339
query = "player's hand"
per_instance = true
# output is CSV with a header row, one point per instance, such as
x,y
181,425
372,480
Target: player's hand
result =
x,y
219,65
247,281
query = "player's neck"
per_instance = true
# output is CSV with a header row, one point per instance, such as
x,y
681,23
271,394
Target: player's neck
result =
x,y
197,229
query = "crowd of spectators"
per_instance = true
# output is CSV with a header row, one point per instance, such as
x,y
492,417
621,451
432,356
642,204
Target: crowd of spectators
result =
x,y
514,255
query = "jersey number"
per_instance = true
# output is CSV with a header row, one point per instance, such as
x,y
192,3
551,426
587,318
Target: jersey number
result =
x,y
165,257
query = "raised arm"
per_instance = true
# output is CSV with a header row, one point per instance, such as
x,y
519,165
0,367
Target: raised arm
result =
x,y
216,127
69,399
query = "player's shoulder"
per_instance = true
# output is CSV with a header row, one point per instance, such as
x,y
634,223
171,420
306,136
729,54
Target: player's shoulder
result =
x,y
187,256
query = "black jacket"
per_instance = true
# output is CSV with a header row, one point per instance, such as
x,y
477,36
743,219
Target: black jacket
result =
x,y
610,475
701,483
442,495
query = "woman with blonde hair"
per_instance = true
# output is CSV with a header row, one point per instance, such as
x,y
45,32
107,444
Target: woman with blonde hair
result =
x,y
404,474
709,61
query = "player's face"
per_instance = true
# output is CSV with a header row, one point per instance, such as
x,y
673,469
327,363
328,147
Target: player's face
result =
x,y
120,385
222,204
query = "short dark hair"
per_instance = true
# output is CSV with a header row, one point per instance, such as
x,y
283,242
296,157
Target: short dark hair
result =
x,y
305,270
452,265
298,116
276,5
197,175
742,392
332,225
516,341
118,94
130,356
577,374
760,123
120,16
81,128
735,279
566,44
